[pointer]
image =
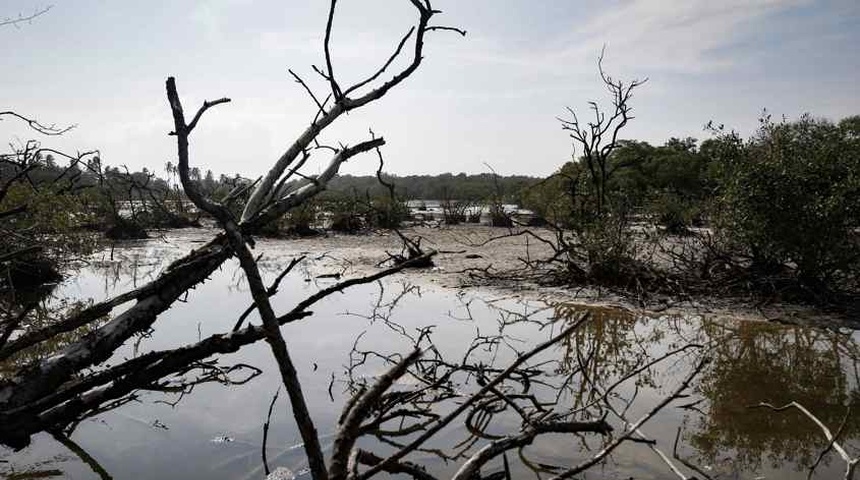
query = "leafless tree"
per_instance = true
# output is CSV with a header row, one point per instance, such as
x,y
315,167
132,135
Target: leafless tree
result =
x,y
55,393
599,137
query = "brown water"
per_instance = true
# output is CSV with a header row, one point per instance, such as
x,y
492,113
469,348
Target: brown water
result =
x,y
215,431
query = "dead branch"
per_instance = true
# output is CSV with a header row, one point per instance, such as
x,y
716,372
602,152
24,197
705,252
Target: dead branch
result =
x,y
411,446
472,466
631,429
266,430
265,194
349,428
850,463
50,130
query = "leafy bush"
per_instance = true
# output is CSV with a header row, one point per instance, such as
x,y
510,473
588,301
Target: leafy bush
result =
x,y
302,220
386,212
790,197
42,237
675,213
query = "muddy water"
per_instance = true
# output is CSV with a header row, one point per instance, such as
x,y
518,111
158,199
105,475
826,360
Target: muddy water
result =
x,y
215,431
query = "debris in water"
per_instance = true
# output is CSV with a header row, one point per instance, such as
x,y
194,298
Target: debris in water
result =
x,y
280,473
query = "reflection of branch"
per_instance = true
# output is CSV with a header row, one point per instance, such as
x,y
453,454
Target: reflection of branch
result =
x,y
652,444
850,463
831,443
266,430
473,398
339,287
686,462
635,372
81,453
631,429
271,291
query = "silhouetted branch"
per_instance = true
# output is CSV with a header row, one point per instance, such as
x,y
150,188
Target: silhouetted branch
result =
x,y
266,430
438,425
50,130
25,18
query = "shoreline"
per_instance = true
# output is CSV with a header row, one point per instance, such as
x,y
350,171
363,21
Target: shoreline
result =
x,y
458,248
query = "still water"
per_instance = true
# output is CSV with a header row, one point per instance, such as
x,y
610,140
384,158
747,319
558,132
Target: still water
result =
x,y
215,431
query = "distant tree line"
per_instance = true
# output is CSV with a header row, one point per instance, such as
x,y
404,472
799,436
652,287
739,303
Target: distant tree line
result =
x,y
476,187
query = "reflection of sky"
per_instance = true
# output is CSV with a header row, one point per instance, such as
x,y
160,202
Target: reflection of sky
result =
x,y
128,444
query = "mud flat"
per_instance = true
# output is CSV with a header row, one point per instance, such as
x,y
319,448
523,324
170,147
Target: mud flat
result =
x,y
466,249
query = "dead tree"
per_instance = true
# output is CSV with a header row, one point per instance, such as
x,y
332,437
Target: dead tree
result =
x,y
599,137
590,244
53,393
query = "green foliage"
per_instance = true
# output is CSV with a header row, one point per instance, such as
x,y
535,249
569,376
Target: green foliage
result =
x,y
302,220
608,250
47,229
352,213
791,196
386,212
564,198
674,212
436,187
670,183
784,205
345,214
48,211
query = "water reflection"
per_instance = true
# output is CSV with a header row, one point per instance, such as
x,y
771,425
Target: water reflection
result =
x,y
33,312
619,358
750,362
759,362
607,349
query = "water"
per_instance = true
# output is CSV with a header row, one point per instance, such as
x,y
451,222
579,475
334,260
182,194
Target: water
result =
x,y
215,431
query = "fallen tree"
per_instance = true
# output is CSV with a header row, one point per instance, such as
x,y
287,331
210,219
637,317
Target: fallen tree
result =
x,y
54,393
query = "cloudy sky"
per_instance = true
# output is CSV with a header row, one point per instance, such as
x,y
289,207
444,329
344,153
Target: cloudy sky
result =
x,y
489,98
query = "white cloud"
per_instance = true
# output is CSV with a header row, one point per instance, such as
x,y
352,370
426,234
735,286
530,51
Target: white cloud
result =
x,y
678,35
686,36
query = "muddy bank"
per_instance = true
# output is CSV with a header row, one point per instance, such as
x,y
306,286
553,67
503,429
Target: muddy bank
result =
x,y
460,250
464,250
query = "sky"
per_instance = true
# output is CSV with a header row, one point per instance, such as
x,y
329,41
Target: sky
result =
x,y
490,99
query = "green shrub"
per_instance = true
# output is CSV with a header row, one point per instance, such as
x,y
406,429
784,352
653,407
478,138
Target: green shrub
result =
x,y
790,197
386,212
